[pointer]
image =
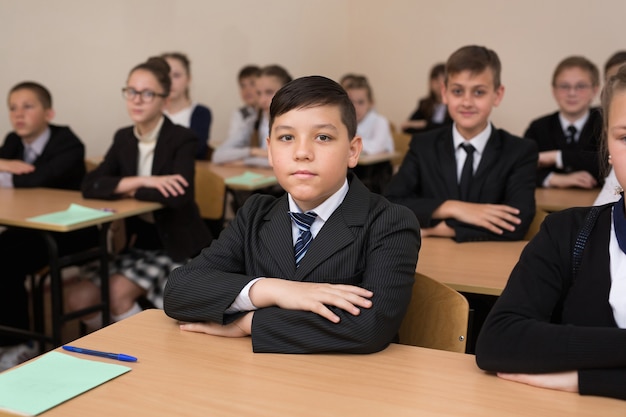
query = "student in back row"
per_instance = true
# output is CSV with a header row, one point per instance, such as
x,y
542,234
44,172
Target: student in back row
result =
x,y
35,154
568,139
469,181
248,143
349,290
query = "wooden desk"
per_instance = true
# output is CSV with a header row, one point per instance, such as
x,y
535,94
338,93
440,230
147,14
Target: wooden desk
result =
x,y
377,158
232,170
556,199
476,267
190,374
21,204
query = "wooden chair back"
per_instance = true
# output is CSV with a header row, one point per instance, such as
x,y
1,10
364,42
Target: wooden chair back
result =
x,y
401,143
210,192
437,317
534,227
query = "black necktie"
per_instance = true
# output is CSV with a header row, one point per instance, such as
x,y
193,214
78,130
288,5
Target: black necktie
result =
x,y
570,137
468,171
303,221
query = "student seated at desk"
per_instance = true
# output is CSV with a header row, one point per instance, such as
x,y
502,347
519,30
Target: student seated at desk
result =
x,y
568,140
560,322
179,107
327,267
248,144
374,130
153,160
469,181
35,154
431,111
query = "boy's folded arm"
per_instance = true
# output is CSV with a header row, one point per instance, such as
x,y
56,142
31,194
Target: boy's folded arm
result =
x,y
389,274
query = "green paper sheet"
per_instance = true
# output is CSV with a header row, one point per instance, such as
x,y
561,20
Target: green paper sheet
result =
x,y
51,380
250,178
74,214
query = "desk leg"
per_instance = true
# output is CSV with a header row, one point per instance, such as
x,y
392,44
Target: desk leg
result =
x,y
56,289
104,273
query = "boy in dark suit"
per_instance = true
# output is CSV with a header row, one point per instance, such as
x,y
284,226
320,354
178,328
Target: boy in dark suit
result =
x,y
349,290
569,139
35,154
469,181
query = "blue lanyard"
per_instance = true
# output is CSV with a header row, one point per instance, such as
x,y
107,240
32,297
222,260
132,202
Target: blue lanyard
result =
x,y
619,223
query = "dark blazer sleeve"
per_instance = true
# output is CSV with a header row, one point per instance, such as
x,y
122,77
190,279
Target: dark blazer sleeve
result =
x,y
201,119
378,253
520,335
60,165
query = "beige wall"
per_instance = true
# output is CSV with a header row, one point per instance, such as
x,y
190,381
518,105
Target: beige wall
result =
x,y
83,50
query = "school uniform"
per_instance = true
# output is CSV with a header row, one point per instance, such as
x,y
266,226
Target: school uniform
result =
x,y
549,319
177,228
246,123
61,164
505,175
435,116
367,241
581,155
376,137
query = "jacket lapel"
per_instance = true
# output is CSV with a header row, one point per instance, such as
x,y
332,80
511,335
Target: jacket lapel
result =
x,y
447,160
276,236
337,232
161,155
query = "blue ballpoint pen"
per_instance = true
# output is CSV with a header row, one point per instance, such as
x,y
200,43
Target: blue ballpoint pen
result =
x,y
116,356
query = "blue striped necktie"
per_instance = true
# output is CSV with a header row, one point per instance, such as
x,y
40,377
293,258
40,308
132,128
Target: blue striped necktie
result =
x,y
303,221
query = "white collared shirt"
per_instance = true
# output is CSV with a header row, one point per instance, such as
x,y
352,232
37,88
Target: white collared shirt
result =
x,y
479,142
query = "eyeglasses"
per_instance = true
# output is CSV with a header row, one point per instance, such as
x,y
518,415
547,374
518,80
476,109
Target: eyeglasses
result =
x,y
566,88
130,93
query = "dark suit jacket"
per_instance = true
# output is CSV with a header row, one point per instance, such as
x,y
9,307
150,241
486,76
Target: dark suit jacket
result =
x,y
181,230
60,165
581,156
367,242
505,175
547,320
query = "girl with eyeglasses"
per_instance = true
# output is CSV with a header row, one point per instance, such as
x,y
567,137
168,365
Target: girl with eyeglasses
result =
x,y
152,160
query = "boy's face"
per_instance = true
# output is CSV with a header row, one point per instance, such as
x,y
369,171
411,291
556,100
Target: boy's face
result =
x,y
310,152
266,87
470,98
574,92
247,90
362,104
28,116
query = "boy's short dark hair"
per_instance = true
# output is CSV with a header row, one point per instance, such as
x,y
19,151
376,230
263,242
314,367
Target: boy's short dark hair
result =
x,y
314,91
618,58
42,93
577,62
248,71
475,59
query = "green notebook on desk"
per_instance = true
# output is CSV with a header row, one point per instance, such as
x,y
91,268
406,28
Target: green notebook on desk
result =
x,y
251,178
51,380
74,214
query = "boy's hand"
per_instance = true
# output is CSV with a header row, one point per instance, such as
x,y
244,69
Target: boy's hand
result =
x,y
309,296
581,179
168,185
239,328
562,381
547,158
16,167
494,217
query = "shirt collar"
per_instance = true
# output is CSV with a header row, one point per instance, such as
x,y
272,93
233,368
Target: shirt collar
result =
x,y
328,207
40,143
578,124
149,137
478,142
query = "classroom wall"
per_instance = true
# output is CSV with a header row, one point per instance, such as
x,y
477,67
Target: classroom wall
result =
x,y
83,50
